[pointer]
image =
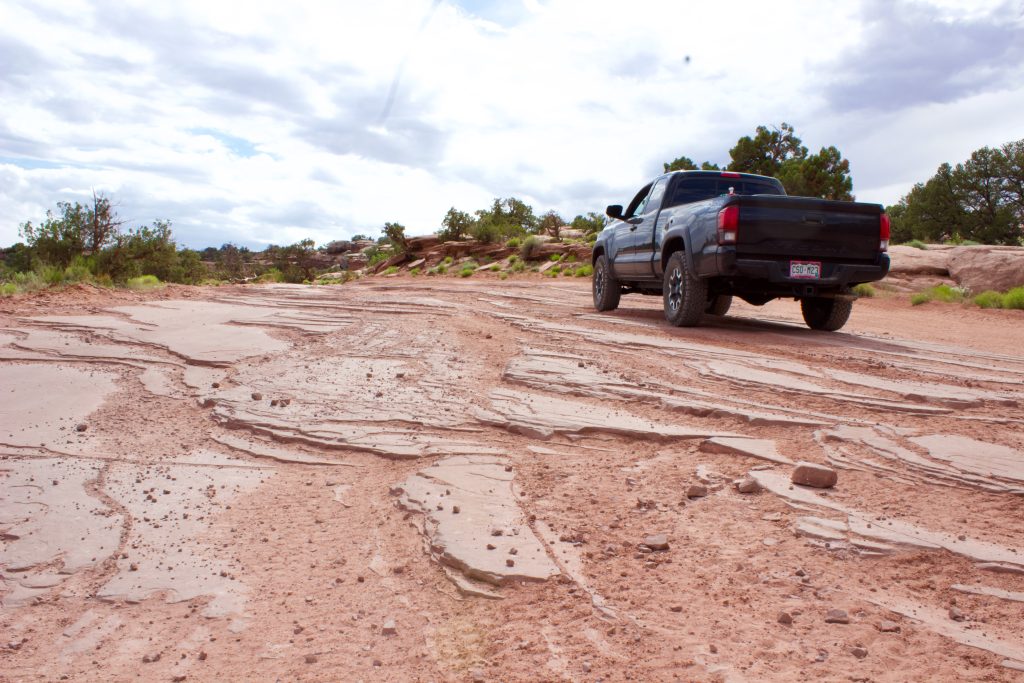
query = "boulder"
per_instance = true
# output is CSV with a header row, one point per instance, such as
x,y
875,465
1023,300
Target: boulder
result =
x,y
914,261
338,247
981,268
396,260
813,474
422,243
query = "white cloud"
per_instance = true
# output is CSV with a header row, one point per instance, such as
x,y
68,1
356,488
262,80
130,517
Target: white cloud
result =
x,y
265,124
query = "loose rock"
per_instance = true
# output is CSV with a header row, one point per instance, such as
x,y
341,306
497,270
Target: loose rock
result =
x,y
837,616
81,427
859,652
748,485
886,626
785,618
813,474
955,614
696,491
657,542
389,628
257,396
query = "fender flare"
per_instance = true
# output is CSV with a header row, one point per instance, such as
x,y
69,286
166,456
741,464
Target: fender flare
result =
x,y
687,250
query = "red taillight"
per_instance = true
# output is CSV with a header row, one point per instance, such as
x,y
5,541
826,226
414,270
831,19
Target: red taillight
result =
x,y
730,174
728,224
883,232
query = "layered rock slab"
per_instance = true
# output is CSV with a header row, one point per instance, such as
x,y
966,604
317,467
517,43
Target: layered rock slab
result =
x,y
472,521
951,460
171,505
865,530
51,526
542,417
42,404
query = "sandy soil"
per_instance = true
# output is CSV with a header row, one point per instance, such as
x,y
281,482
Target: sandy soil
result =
x,y
446,479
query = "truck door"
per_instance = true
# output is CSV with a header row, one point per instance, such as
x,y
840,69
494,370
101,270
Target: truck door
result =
x,y
624,236
643,248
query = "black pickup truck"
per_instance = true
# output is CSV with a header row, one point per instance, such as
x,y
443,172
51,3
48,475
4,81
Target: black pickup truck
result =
x,y
699,238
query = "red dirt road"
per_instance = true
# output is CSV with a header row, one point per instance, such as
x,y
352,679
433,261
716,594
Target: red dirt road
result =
x,y
447,479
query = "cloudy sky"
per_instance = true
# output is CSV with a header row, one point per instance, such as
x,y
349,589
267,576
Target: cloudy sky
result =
x,y
282,121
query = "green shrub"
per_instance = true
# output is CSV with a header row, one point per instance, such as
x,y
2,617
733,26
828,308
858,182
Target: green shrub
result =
x,y
502,276
486,232
512,259
518,266
51,275
917,244
513,243
556,257
9,288
989,299
271,275
467,272
948,294
441,269
531,245
494,267
1014,299
447,260
144,282
391,270
864,290
584,271
944,293
415,272
571,258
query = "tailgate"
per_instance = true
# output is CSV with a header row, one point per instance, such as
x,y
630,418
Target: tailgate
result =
x,y
803,227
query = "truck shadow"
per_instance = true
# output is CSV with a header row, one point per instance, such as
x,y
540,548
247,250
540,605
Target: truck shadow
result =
x,y
760,331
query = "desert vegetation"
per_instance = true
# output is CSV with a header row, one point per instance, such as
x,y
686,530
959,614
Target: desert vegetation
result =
x,y
977,201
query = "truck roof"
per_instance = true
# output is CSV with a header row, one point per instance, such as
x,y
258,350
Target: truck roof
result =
x,y
718,174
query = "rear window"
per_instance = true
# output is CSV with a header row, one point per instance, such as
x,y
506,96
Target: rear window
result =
x,y
699,189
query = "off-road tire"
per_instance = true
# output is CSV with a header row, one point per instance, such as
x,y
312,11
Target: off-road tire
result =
x,y
825,314
719,304
607,290
684,296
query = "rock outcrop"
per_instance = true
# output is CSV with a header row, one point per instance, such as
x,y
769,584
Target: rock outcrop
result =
x,y
983,268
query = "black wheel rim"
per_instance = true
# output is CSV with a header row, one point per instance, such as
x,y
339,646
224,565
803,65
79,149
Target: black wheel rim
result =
x,y
675,289
599,282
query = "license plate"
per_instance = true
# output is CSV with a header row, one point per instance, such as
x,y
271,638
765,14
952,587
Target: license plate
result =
x,y
805,270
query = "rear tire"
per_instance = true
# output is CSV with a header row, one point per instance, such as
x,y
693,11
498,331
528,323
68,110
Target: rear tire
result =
x,y
607,290
719,305
685,296
825,314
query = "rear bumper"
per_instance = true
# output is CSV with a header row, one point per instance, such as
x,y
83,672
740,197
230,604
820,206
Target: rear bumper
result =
x,y
776,271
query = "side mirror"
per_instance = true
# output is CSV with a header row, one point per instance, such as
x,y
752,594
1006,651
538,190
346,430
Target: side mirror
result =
x,y
614,211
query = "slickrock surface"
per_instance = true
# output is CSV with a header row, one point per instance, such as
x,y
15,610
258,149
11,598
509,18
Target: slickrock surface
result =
x,y
453,480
